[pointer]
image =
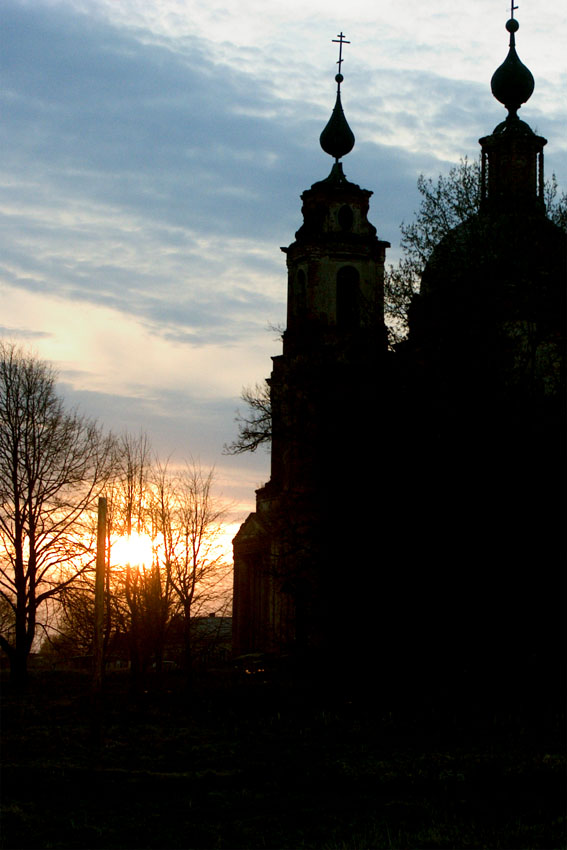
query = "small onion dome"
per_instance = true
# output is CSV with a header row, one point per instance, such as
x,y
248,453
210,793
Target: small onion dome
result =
x,y
512,83
337,139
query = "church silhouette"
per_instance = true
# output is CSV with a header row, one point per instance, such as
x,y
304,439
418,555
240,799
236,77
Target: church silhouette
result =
x,y
412,530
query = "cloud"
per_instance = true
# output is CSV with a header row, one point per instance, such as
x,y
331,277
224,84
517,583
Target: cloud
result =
x,y
153,159
137,182
13,333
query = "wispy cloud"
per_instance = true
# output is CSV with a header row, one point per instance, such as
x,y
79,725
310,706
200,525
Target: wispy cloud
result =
x,y
153,158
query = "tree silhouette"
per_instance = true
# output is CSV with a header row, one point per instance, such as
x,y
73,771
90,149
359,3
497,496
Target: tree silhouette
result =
x,y
53,465
445,204
254,427
189,522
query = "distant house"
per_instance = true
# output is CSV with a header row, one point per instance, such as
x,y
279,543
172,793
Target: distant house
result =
x,y
212,639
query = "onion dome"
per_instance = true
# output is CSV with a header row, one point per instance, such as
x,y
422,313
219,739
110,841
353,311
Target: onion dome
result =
x,y
512,83
337,139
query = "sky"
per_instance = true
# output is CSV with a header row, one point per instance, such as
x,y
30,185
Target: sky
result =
x,y
153,157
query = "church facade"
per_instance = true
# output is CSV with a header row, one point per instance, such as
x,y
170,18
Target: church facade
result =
x,y
415,511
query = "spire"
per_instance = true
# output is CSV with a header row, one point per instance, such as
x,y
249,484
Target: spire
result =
x,y
512,83
337,139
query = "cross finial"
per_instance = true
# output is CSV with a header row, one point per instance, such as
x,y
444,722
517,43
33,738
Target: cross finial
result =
x,y
512,9
340,40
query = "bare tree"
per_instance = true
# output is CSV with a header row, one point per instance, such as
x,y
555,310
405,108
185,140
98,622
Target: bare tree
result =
x,y
190,524
445,203
128,491
138,597
74,632
147,609
555,204
254,427
53,465
189,569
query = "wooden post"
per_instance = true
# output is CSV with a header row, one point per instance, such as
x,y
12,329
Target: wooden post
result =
x,y
98,660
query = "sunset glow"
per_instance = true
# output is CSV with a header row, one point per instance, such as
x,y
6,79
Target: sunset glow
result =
x,y
136,550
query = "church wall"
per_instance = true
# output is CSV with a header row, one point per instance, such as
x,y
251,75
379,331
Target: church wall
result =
x,y
422,483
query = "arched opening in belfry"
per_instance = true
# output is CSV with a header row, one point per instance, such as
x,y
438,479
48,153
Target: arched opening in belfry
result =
x,y
348,298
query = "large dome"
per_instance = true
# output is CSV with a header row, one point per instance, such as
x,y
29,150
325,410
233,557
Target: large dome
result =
x,y
492,297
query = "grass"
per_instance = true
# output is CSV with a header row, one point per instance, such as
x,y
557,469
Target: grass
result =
x,y
254,764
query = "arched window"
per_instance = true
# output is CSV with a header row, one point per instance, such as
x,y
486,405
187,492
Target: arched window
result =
x,y
348,298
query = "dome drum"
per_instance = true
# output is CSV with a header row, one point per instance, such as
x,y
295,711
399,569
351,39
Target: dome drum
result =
x,y
512,168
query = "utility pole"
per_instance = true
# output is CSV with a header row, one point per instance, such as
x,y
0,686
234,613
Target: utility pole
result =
x,y
98,660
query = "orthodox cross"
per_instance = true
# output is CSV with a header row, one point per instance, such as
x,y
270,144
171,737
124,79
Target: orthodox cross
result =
x,y
512,9
340,40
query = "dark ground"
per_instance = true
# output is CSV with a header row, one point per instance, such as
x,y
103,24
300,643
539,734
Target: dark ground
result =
x,y
250,763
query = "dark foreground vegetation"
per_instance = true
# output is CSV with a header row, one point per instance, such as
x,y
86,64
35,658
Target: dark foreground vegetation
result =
x,y
250,761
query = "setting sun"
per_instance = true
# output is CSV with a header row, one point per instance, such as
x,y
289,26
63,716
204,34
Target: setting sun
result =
x,y
136,550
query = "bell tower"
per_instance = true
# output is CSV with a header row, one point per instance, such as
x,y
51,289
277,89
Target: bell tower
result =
x,y
336,264
335,336
324,391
